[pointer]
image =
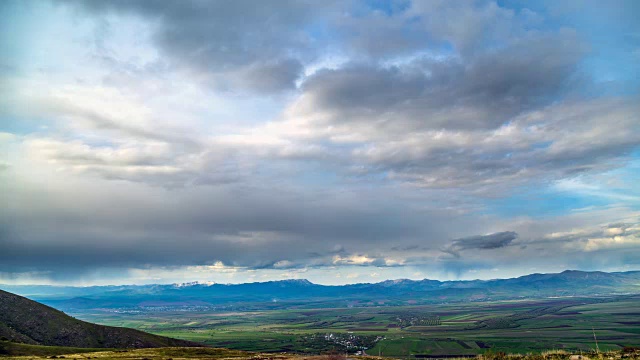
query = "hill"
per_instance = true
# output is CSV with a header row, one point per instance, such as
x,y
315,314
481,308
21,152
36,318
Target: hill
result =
x,y
29,322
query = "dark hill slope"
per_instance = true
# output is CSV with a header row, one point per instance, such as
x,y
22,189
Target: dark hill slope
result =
x,y
29,322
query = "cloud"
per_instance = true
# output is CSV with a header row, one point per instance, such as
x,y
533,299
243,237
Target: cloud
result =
x,y
283,137
481,242
152,162
270,76
407,27
617,241
552,142
481,92
94,222
603,238
259,44
485,120
364,260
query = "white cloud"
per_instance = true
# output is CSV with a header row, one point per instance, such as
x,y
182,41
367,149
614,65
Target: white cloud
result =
x,y
628,241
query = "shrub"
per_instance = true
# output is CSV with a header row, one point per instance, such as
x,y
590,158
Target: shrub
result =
x,y
494,355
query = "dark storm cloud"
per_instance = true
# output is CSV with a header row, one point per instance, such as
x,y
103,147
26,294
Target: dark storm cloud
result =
x,y
264,45
261,43
255,228
481,242
483,92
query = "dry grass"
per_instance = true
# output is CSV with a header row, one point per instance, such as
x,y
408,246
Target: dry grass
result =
x,y
187,353
226,354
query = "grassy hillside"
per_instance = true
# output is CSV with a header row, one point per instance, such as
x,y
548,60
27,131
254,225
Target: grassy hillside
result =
x,y
26,321
8,348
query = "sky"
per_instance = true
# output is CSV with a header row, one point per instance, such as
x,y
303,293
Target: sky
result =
x,y
148,141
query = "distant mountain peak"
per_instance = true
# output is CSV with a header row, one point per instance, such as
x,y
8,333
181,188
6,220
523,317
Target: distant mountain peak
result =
x,y
397,282
297,281
194,283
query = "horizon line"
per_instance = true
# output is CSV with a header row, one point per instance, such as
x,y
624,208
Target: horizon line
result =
x,y
211,283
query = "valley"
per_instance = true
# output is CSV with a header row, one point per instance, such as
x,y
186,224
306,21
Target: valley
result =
x,y
517,326
572,311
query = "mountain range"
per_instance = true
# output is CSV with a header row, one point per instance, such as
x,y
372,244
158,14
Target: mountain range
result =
x,y
302,293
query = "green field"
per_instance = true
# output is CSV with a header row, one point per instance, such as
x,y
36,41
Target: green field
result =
x,y
451,329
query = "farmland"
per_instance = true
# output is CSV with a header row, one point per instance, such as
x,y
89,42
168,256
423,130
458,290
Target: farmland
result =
x,y
400,331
